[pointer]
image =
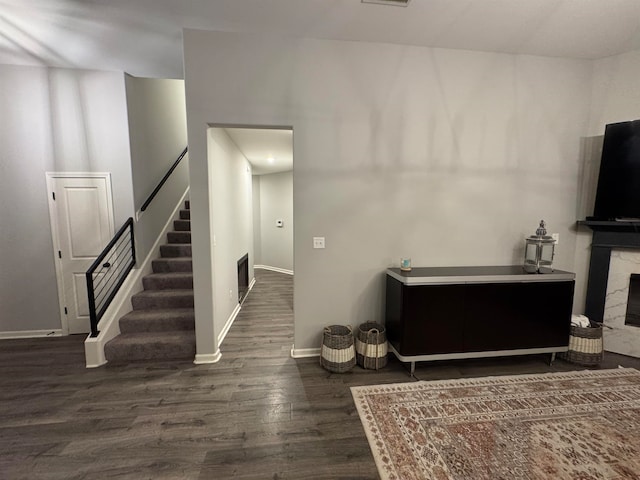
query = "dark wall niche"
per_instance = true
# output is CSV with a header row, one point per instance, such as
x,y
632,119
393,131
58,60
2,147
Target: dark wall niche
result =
x,y
633,302
243,277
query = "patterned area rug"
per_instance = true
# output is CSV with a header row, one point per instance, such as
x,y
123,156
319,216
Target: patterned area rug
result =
x,y
574,425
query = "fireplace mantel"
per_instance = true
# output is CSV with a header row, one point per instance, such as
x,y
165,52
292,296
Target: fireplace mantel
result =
x,y
607,235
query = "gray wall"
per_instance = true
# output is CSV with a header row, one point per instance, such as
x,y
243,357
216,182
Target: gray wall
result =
x,y
52,120
450,157
158,134
276,202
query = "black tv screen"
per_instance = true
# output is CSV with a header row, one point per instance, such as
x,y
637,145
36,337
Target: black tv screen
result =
x,y
618,193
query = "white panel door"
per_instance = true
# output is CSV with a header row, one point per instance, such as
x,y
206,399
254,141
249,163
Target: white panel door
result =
x,y
82,213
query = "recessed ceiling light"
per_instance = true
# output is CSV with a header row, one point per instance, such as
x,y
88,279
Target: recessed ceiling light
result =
x,y
271,160
397,3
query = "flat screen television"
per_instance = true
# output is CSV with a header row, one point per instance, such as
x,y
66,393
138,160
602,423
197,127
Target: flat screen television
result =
x,y
618,192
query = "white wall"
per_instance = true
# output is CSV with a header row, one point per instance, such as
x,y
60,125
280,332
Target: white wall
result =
x,y
52,120
276,203
158,134
450,157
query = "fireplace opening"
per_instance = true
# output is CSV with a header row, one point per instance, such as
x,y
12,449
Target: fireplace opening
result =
x,y
243,277
633,302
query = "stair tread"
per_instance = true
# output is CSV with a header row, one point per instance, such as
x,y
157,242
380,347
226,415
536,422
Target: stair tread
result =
x,y
158,320
172,259
167,336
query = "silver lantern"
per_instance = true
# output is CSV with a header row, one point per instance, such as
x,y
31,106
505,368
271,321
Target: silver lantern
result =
x,y
539,250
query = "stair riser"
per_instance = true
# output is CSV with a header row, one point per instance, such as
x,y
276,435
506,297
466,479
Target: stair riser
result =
x,y
187,204
156,325
169,251
185,214
168,265
179,237
174,301
182,225
151,283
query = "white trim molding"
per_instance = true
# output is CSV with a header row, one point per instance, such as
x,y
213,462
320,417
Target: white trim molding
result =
x,y
31,334
234,314
228,324
304,352
205,358
274,269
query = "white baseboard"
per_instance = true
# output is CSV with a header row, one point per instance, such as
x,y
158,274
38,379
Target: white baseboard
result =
x,y
274,269
304,352
233,315
203,359
109,325
228,324
30,334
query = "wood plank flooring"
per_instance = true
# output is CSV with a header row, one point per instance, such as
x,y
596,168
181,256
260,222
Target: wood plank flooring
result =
x,y
257,414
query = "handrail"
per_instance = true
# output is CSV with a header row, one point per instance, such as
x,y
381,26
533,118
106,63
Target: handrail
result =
x,y
108,272
164,179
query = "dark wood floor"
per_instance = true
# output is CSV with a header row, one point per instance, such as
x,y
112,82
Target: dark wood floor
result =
x,y
257,414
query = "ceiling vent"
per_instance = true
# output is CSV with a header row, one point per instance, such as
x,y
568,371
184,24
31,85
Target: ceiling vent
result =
x,y
397,3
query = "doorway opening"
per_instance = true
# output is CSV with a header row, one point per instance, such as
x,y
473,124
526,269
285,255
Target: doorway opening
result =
x,y
251,201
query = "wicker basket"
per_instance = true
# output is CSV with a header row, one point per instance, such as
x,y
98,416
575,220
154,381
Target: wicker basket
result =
x,y
585,345
371,346
338,353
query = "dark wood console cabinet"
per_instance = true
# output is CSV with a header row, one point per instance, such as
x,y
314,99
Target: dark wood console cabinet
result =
x,y
442,313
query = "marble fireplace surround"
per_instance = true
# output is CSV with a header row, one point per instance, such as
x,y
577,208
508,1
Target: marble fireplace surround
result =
x,y
615,255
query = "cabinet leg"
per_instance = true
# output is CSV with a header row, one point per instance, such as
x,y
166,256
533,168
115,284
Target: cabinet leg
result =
x,y
413,369
553,358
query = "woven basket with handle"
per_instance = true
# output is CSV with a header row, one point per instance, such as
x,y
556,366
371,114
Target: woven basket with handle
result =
x,y
585,345
338,352
371,346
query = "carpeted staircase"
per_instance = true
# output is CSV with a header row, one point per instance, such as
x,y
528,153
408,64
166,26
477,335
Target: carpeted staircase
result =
x,y
161,325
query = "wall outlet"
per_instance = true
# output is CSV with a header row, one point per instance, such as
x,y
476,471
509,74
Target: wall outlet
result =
x,y
318,242
556,237
231,294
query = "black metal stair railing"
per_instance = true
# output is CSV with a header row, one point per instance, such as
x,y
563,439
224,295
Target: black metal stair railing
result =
x,y
109,271
164,179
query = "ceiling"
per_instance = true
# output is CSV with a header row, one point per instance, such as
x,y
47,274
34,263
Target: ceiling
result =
x,y
144,37
268,150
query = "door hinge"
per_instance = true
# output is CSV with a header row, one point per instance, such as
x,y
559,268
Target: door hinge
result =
x,y
53,194
65,311
59,254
